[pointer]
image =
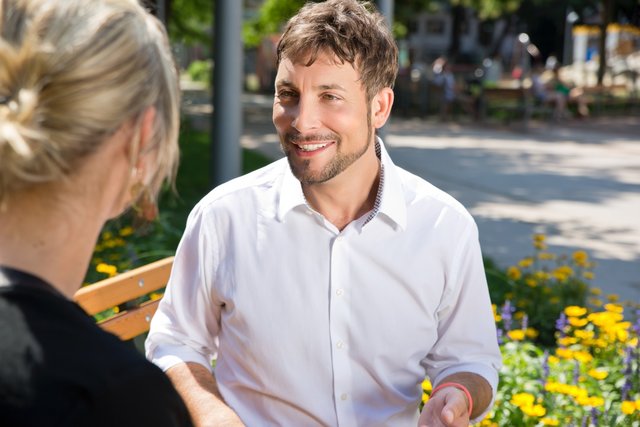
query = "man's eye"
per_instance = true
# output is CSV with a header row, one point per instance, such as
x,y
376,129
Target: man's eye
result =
x,y
286,94
330,97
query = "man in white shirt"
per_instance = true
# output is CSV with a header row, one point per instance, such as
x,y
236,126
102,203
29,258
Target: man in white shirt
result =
x,y
328,284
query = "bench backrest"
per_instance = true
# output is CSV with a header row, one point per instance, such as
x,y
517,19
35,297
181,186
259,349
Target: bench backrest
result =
x,y
124,290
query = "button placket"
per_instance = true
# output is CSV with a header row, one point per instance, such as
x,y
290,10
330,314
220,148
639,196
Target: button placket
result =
x,y
340,312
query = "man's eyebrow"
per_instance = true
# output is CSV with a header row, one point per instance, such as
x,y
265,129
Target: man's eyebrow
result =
x,y
289,83
284,83
332,87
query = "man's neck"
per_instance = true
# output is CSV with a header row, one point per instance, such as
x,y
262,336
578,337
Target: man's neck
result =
x,y
349,195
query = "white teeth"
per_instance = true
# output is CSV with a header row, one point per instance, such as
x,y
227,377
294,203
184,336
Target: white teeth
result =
x,y
312,147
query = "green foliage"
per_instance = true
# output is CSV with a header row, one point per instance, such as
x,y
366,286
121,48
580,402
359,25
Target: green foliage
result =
x,y
200,71
541,285
272,16
190,21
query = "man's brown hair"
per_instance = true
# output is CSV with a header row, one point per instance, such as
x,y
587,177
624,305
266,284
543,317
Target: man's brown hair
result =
x,y
351,30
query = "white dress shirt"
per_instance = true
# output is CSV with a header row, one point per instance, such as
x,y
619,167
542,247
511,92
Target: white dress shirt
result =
x,y
315,326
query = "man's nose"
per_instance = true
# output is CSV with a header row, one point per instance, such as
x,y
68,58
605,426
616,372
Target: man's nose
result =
x,y
305,115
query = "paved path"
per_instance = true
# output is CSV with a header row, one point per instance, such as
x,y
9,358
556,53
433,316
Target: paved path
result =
x,y
577,182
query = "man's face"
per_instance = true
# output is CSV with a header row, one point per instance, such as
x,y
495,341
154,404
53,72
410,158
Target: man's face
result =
x,y
322,117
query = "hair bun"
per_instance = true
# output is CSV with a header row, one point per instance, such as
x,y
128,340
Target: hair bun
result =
x,y
15,114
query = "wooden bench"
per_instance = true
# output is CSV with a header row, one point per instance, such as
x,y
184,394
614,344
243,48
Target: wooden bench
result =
x,y
130,292
601,97
510,101
513,102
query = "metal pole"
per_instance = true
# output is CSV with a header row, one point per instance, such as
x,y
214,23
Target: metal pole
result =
x,y
386,9
225,162
161,11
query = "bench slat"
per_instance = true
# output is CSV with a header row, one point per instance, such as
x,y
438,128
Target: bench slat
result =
x,y
131,323
124,287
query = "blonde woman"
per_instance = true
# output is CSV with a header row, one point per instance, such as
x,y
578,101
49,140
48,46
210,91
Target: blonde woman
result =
x,y
88,126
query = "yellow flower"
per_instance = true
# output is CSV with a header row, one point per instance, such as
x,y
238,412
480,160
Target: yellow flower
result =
x,y
584,334
588,275
582,356
546,256
107,235
614,308
595,302
514,273
525,262
116,309
598,373
539,246
580,258
575,311
576,322
426,384
531,282
126,231
111,270
531,333
534,410
613,297
550,422
496,316
522,399
553,360
567,341
628,407
562,273
595,291
425,397
539,237
155,296
516,334
564,353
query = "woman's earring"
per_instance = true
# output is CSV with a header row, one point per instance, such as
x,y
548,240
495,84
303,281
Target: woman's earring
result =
x,y
144,204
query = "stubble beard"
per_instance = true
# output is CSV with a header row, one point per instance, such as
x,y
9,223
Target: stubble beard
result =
x,y
302,170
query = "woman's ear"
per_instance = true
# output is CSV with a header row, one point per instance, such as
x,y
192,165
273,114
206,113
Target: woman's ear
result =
x,y
381,106
144,135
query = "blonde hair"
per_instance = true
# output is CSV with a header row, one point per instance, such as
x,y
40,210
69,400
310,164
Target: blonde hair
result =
x,y
72,72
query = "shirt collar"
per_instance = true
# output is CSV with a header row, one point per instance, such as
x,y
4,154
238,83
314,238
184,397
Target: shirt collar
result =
x,y
390,199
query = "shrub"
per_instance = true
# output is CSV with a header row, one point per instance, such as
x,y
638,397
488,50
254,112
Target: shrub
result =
x,y
541,285
591,378
200,71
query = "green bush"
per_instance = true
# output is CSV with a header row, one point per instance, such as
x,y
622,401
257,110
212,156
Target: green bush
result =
x,y
542,285
200,71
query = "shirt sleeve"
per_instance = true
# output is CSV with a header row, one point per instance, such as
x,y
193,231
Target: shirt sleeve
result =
x,y
187,322
467,338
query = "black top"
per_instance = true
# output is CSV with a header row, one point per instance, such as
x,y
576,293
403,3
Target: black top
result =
x,y
57,368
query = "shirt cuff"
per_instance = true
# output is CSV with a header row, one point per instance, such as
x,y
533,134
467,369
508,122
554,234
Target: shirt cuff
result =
x,y
487,372
166,356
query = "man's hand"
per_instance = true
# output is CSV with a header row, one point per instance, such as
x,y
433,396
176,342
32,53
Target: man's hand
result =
x,y
447,408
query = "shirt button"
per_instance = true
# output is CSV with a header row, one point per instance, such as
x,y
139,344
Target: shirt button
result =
x,y
339,344
339,292
344,396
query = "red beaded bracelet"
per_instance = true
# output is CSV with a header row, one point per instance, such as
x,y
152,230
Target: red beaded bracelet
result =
x,y
459,387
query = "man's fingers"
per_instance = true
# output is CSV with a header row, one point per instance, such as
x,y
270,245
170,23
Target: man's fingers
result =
x,y
454,409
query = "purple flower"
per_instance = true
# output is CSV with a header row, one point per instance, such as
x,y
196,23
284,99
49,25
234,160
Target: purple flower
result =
x,y
561,324
507,315
545,369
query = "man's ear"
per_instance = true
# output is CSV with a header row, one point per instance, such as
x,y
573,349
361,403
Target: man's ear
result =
x,y
381,106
